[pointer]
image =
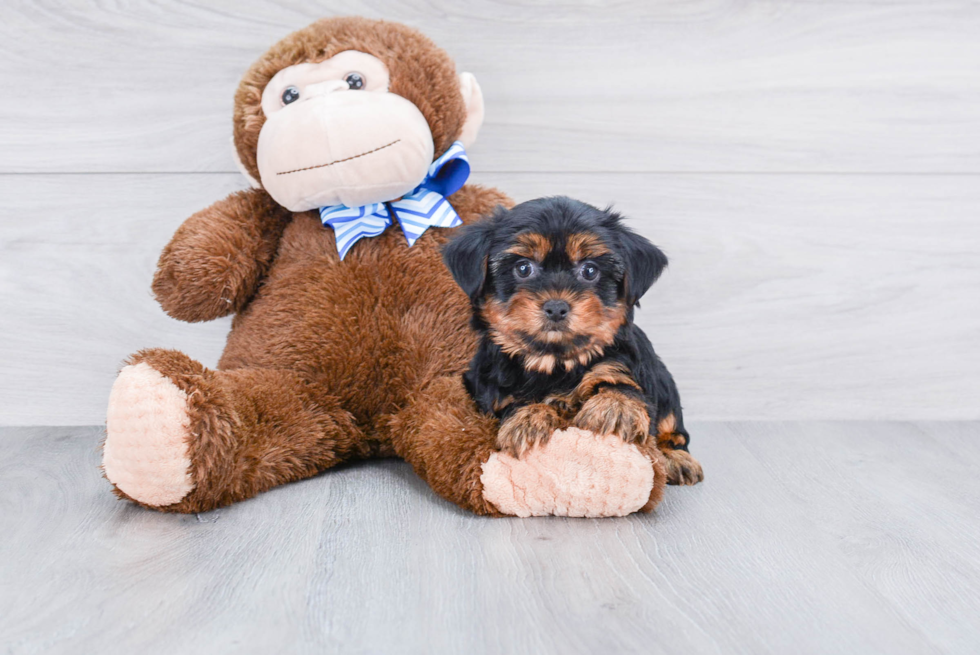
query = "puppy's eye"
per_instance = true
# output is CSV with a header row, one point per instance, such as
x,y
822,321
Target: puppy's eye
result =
x,y
355,81
589,272
524,269
290,94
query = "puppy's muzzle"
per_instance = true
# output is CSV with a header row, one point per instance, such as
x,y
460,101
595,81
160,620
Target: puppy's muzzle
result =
x,y
556,311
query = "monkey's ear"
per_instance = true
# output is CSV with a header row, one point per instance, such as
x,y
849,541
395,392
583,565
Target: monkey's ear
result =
x,y
644,264
467,253
473,100
252,182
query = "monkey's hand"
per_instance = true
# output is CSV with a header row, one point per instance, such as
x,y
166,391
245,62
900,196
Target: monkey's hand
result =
x,y
612,411
213,264
526,427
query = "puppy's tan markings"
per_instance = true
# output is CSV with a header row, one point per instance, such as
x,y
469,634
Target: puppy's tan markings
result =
x,y
508,321
531,245
512,323
667,435
667,425
540,363
610,373
583,245
589,316
502,403
614,412
526,427
681,466
565,404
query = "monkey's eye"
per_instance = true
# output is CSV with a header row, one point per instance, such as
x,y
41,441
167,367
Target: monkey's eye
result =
x,y
589,272
355,81
524,269
290,94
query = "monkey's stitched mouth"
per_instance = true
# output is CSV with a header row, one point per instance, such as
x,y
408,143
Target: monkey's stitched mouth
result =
x,y
339,161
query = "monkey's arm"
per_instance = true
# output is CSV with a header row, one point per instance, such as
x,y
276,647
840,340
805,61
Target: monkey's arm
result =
x,y
214,262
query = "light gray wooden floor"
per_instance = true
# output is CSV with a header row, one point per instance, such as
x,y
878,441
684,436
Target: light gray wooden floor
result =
x,y
834,537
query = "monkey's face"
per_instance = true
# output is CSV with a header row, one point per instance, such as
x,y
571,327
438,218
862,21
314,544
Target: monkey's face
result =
x,y
350,111
334,135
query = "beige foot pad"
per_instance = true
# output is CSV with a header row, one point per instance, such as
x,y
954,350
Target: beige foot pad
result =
x,y
147,427
575,474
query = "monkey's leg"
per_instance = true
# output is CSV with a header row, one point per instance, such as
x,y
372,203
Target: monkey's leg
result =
x,y
451,446
183,438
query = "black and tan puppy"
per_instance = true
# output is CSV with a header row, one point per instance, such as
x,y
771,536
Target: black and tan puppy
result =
x,y
553,284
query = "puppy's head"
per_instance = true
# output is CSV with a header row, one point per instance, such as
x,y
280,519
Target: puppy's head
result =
x,y
552,280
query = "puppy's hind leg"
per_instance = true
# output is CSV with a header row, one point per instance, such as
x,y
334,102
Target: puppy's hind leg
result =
x,y
672,440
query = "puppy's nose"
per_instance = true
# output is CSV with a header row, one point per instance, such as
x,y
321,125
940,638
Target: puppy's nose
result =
x,y
556,310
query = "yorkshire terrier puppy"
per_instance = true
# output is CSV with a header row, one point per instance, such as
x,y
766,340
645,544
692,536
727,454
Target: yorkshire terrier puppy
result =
x,y
553,283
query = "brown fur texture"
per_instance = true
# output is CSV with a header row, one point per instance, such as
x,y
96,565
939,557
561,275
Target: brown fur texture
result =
x,y
228,246
529,426
446,441
603,374
254,429
614,412
328,361
682,468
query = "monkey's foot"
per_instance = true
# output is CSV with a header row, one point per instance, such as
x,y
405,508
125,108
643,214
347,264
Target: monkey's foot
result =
x,y
147,432
575,474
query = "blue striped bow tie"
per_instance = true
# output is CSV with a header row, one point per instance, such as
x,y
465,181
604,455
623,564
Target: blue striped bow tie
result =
x,y
416,212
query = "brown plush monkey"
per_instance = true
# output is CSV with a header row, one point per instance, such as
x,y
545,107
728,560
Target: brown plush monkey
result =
x,y
349,338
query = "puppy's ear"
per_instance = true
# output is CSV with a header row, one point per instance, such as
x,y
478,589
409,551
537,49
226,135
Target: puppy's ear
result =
x,y
644,264
467,252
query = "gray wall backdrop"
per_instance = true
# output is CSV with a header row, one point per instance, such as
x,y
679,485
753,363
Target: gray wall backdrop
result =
x,y
812,169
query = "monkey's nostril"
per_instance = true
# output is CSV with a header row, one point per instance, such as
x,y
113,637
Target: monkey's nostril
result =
x,y
556,310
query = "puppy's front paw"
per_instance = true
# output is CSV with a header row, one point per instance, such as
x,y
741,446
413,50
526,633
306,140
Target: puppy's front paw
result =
x,y
526,427
614,412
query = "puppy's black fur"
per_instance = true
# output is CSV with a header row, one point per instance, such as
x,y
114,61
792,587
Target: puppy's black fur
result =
x,y
554,283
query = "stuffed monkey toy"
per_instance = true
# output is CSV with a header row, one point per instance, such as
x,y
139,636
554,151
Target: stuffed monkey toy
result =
x,y
350,335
